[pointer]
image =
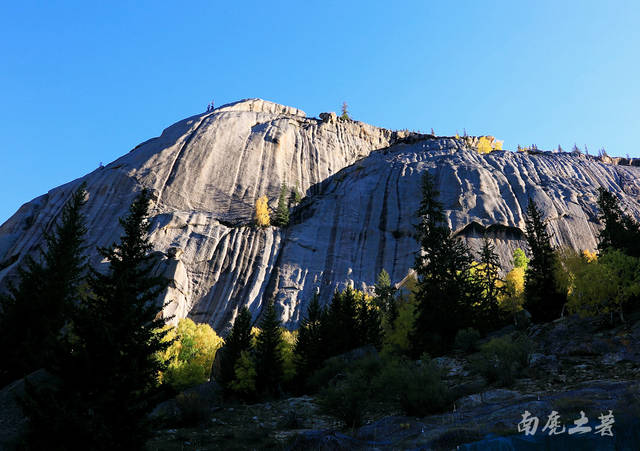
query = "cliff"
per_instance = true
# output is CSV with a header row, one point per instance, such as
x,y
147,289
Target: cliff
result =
x,y
361,186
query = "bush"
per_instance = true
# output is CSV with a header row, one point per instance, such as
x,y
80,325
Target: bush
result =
x,y
351,388
417,388
193,409
347,400
502,359
467,339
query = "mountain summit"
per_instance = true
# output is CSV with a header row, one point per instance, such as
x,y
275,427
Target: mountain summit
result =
x,y
360,187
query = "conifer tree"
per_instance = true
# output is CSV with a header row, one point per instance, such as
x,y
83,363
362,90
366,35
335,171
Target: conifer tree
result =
x,y
445,290
239,340
542,298
369,324
282,212
385,295
342,331
345,112
295,197
108,370
309,350
268,355
33,313
487,275
620,230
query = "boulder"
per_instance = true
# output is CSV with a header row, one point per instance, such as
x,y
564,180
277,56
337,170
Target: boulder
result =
x,y
13,423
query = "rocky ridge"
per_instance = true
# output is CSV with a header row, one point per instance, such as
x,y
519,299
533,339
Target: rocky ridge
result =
x,y
361,186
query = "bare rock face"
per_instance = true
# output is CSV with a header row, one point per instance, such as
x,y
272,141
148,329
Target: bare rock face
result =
x,y
362,188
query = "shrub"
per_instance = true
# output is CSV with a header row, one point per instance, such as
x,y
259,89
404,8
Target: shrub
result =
x,y
193,409
502,359
347,400
467,339
329,370
351,387
417,388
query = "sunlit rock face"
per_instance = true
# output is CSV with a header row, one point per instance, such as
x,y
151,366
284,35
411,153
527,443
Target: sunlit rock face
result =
x,y
361,186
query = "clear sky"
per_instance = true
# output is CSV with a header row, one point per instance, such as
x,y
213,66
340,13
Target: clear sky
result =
x,y
84,82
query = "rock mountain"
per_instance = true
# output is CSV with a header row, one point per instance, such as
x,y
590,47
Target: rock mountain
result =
x,y
361,188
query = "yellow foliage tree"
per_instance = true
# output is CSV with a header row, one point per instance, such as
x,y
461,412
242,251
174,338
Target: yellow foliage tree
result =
x,y
244,382
190,356
487,144
396,339
513,297
589,256
484,145
602,285
262,212
288,364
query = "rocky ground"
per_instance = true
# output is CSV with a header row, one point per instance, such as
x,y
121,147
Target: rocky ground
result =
x,y
577,365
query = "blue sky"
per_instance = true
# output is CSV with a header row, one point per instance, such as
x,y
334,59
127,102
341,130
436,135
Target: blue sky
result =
x,y
83,82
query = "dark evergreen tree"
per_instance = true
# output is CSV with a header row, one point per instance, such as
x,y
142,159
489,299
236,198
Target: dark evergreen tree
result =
x,y
445,289
282,212
348,323
369,324
487,275
342,331
108,371
295,197
239,340
34,312
268,353
620,230
385,296
309,350
542,298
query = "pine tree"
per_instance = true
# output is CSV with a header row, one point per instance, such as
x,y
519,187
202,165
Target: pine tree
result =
x,y
268,355
282,212
108,371
542,298
309,350
239,340
385,293
295,197
487,275
34,312
445,290
620,230
369,324
345,112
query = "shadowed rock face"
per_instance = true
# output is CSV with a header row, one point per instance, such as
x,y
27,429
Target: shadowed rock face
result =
x,y
362,187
